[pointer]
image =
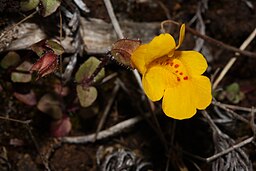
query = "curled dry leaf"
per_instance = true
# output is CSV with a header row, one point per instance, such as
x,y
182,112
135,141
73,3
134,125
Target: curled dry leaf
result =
x,y
16,142
61,127
47,64
22,74
28,99
122,50
60,89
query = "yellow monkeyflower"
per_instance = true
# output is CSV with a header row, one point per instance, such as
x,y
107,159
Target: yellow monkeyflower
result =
x,y
175,76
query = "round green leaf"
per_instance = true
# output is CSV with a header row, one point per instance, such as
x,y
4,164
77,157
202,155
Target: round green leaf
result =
x,y
56,47
50,104
10,59
50,6
27,5
21,76
87,69
86,95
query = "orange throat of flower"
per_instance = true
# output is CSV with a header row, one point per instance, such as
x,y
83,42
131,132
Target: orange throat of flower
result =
x,y
173,67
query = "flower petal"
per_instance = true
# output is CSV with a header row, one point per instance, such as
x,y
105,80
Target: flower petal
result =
x,y
194,61
160,46
182,35
155,81
202,96
178,102
138,58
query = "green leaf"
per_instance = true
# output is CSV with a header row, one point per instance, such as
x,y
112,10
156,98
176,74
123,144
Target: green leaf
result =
x,y
50,6
233,88
56,47
50,104
38,48
21,76
87,69
27,5
86,95
233,93
10,59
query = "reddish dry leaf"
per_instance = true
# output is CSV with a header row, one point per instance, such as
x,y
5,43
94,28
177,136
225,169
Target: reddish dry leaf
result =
x,y
16,142
46,64
51,105
61,127
59,89
28,99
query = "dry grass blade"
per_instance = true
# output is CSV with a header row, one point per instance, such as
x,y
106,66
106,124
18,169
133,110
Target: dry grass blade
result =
x,y
112,131
233,59
107,109
229,156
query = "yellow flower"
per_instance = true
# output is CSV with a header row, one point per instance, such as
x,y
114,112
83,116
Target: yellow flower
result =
x,y
175,76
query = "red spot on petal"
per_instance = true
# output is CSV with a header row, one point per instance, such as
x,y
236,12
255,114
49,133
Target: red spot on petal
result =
x,y
185,78
176,65
181,73
176,71
178,78
171,63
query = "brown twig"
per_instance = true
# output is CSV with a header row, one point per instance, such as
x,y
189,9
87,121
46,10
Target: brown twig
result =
x,y
212,40
234,147
61,35
233,59
110,132
221,141
241,108
107,109
16,24
26,123
135,72
236,115
15,120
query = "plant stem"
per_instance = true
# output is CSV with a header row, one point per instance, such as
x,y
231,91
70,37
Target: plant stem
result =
x,y
87,81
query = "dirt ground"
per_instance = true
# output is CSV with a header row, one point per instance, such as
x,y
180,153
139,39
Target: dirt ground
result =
x,y
28,138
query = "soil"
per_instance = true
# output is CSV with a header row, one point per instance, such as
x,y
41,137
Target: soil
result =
x,y
31,147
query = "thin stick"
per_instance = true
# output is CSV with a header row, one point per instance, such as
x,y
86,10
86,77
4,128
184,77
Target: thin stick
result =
x,y
234,147
110,132
135,72
61,34
212,40
241,108
42,157
233,59
223,72
107,109
236,115
113,19
16,24
119,32
15,120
